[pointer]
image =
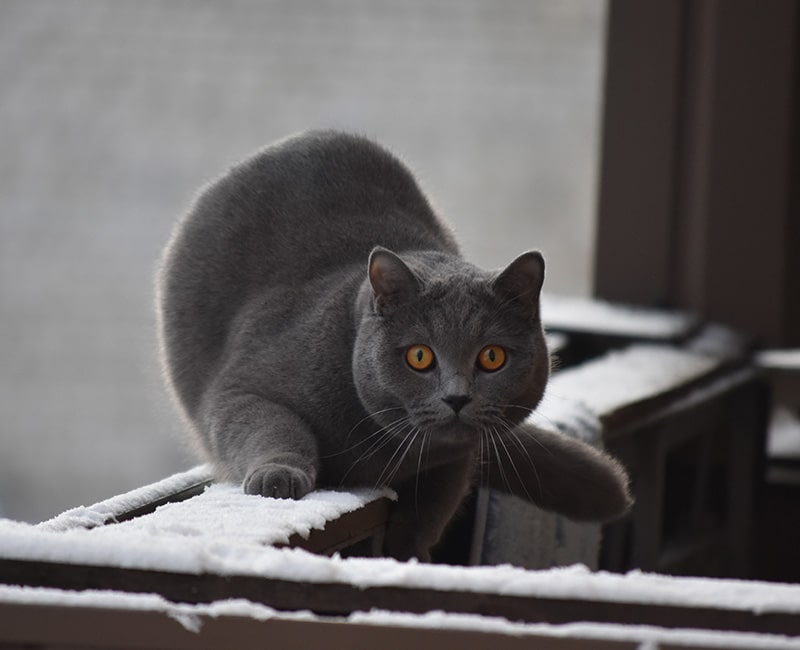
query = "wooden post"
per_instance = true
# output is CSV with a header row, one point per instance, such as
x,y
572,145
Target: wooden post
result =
x,y
699,182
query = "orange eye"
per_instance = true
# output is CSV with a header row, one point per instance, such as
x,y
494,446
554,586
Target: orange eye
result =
x,y
492,358
419,357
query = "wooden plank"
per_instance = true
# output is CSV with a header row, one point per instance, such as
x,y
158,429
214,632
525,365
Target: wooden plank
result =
x,y
340,599
728,413
348,530
636,415
175,497
37,626
135,503
365,523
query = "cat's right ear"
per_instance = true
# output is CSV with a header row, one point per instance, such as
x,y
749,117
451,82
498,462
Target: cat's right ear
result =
x,y
521,281
393,283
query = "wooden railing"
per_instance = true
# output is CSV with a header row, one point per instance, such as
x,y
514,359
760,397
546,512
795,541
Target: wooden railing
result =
x,y
692,437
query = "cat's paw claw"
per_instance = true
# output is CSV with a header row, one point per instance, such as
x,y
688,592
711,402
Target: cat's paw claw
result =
x,y
278,481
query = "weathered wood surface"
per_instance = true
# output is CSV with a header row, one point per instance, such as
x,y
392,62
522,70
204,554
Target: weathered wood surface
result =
x,y
341,599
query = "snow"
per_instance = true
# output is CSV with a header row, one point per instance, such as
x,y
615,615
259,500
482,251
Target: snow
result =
x,y
783,441
225,532
225,515
785,359
719,341
236,547
108,510
192,618
555,342
627,376
438,620
569,415
221,512
593,316
189,616
206,532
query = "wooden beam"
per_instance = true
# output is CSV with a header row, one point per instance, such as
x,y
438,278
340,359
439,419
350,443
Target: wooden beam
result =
x,y
40,626
731,262
700,164
342,599
638,154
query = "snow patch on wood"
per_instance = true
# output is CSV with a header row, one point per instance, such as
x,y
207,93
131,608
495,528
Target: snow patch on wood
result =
x,y
600,317
624,377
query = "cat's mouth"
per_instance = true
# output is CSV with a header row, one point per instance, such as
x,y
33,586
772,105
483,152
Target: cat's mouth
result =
x,y
458,429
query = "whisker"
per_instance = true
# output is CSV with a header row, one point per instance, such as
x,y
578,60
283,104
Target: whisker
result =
x,y
365,440
367,417
512,431
403,457
411,434
480,459
514,466
499,459
531,436
497,416
419,470
388,434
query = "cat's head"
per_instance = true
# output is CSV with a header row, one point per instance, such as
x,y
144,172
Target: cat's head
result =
x,y
446,348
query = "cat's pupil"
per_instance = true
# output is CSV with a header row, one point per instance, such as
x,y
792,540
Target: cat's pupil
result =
x,y
420,355
491,356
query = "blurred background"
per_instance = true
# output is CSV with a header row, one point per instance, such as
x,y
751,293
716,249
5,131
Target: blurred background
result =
x,y
113,114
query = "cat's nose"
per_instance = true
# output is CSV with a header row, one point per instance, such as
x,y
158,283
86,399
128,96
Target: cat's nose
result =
x,y
457,402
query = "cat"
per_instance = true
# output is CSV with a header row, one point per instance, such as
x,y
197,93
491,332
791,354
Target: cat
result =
x,y
319,328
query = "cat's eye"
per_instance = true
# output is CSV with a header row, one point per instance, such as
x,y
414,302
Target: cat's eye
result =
x,y
420,357
491,358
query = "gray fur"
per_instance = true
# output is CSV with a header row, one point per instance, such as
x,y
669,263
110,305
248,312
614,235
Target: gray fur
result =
x,y
287,298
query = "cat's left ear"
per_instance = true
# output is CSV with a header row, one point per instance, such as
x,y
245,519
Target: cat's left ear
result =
x,y
521,281
393,283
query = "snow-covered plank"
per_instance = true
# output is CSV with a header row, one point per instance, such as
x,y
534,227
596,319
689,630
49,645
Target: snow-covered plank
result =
x,y
783,442
186,567
129,505
623,378
323,521
638,600
787,359
112,619
222,514
592,316
651,399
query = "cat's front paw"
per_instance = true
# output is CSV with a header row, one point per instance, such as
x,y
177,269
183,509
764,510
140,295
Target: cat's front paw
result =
x,y
279,481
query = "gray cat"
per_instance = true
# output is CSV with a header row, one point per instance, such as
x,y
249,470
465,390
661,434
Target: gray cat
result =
x,y
320,329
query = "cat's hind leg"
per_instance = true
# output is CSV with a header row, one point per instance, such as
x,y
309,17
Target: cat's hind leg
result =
x,y
262,445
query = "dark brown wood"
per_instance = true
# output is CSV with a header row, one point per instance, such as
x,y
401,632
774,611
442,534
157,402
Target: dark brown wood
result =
x,y
733,214
338,599
724,414
39,626
349,529
638,156
145,509
700,153
638,415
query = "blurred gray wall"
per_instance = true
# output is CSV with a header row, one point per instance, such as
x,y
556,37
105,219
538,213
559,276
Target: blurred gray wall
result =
x,y
112,114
